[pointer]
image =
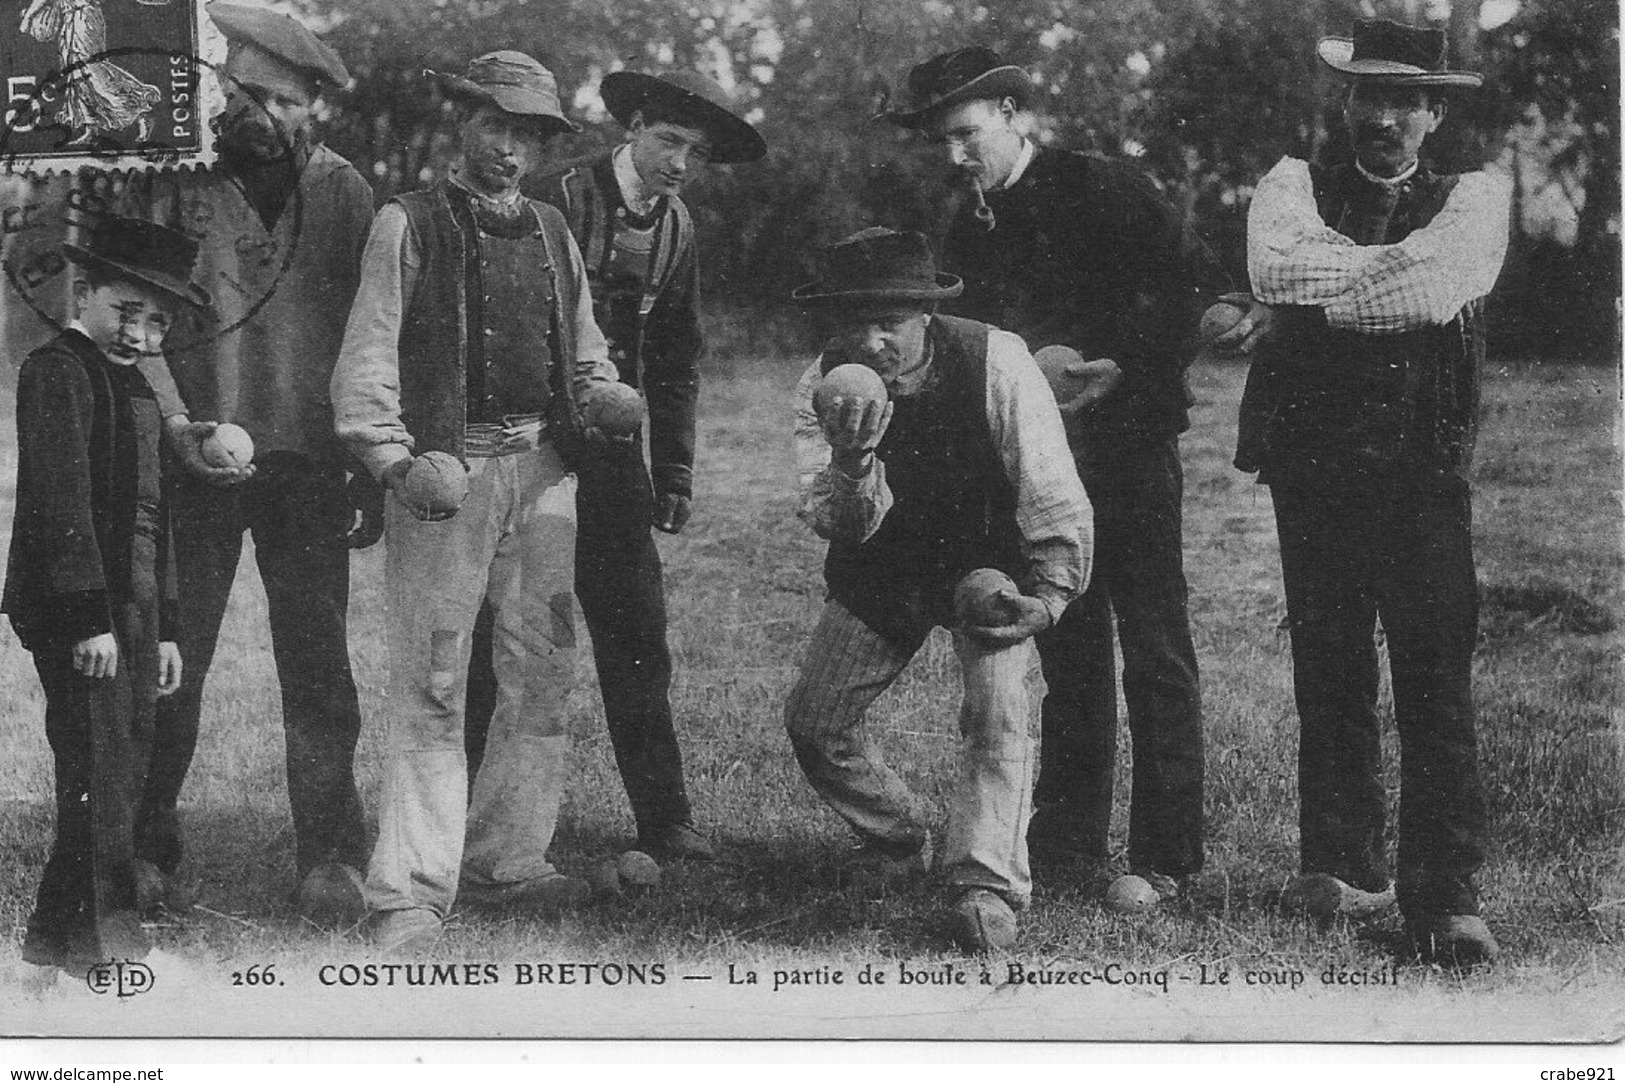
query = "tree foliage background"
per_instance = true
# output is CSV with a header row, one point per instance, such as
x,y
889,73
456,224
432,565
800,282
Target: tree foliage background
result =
x,y
1205,94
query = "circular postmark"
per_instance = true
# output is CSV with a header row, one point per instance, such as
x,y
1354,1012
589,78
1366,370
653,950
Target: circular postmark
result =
x,y
248,229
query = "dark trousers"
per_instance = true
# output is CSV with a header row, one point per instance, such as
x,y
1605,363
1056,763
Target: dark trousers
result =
x,y
1139,577
99,730
1398,550
298,516
623,598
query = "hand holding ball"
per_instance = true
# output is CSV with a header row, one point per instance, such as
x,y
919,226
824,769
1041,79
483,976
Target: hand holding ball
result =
x,y
1218,319
614,409
982,598
847,383
228,446
434,486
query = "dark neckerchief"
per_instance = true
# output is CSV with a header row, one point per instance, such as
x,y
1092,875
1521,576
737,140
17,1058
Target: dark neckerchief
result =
x,y
509,220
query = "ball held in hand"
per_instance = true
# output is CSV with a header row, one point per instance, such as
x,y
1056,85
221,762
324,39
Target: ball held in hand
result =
x,y
850,382
1218,319
229,446
977,601
1053,362
435,484
614,409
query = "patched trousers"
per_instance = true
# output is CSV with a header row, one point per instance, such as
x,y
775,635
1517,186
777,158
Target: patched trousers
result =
x,y
513,543
847,667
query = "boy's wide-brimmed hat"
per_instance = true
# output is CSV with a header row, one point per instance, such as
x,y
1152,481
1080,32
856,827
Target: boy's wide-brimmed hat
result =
x,y
513,82
691,95
147,252
1383,51
878,264
268,37
960,76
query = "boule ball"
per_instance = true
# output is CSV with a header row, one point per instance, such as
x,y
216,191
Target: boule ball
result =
x,y
605,877
850,382
638,871
1131,895
615,409
977,601
1218,319
435,484
228,445
1053,362
1318,895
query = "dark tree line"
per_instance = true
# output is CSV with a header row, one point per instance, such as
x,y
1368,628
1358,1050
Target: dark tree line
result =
x,y
1205,94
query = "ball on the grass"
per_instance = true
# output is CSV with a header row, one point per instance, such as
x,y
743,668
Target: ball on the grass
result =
x,y
638,871
1318,895
1131,895
848,382
614,409
435,484
1218,319
605,877
1053,362
977,600
228,445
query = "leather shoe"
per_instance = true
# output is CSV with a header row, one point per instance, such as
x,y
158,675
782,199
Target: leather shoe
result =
x,y
981,921
677,842
1461,941
1324,896
330,895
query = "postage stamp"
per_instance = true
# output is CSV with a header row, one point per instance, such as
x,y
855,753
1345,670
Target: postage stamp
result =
x,y
108,85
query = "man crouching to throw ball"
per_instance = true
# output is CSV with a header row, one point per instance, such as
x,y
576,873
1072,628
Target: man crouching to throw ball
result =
x,y
470,345
953,461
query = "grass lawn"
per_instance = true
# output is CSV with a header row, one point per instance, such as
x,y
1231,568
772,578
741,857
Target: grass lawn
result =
x,y
744,588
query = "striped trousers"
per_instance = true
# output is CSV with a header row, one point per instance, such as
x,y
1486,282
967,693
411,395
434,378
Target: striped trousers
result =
x,y
846,669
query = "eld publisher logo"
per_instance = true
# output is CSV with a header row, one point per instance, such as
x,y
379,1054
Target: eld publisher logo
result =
x,y
126,979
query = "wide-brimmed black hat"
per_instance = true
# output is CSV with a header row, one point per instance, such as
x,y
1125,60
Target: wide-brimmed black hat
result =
x,y
1383,51
690,95
285,38
513,82
147,252
960,76
878,264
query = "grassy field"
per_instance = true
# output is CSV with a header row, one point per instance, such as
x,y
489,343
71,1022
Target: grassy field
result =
x,y
744,587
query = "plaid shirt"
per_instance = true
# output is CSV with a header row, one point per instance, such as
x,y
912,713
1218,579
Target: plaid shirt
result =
x,y
1294,258
1053,514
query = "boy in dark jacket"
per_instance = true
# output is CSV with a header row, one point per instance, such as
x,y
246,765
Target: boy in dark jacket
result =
x,y
88,583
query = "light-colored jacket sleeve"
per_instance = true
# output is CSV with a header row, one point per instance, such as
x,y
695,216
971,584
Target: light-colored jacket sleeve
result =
x,y
592,363
837,507
1053,513
1294,258
366,384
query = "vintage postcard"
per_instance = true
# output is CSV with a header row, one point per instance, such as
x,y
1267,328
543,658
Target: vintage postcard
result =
x,y
547,649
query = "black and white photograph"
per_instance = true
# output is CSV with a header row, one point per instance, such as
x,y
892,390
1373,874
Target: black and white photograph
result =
x,y
1025,521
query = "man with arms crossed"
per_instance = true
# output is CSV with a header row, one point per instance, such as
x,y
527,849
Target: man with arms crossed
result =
x,y
1361,419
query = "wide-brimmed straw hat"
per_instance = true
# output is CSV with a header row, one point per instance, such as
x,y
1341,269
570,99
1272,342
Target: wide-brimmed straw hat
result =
x,y
878,264
511,81
147,252
960,76
1383,51
688,94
